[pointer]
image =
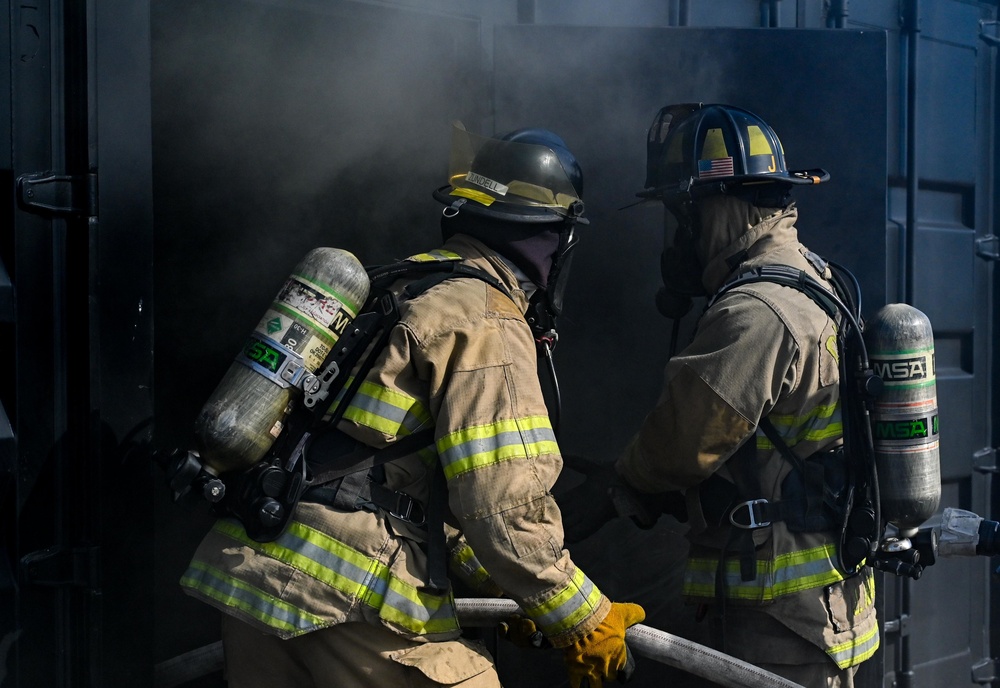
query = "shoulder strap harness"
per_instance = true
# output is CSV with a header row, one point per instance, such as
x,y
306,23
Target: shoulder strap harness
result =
x,y
312,461
830,484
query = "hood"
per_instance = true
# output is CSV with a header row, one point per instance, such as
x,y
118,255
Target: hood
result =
x,y
734,231
482,256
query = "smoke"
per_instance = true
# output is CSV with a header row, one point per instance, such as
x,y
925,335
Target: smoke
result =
x,y
282,126
284,108
279,128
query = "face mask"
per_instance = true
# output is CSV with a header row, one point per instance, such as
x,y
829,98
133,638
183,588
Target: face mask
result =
x,y
547,304
680,268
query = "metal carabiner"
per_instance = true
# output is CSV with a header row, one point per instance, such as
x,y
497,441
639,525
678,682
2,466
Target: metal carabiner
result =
x,y
751,516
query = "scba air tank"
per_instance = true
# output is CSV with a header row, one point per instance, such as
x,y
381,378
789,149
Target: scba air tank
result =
x,y
244,415
900,345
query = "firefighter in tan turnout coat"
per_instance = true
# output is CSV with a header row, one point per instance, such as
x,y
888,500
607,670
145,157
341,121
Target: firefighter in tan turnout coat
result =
x,y
345,596
761,370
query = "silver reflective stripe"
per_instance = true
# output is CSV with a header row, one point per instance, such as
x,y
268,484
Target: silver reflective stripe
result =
x,y
424,614
855,651
493,444
823,423
386,410
366,580
483,445
568,607
223,588
786,574
347,570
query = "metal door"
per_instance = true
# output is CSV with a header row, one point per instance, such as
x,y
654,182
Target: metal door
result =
x,y
77,373
824,93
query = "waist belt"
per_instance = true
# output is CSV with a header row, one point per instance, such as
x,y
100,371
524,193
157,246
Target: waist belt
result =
x,y
761,513
354,481
358,491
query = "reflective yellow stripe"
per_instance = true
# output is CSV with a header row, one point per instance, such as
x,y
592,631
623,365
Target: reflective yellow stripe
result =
x,y
347,570
483,445
822,423
221,587
568,607
855,651
438,255
786,574
343,568
386,410
465,561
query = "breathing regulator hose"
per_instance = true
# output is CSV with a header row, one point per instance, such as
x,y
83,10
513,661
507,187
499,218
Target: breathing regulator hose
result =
x,y
648,642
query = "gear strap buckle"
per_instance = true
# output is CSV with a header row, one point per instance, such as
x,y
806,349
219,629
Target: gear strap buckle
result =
x,y
408,509
755,514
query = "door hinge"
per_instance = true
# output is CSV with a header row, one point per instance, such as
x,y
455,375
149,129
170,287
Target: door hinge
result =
x,y
57,566
984,671
990,36
988,247
900,625
985,460
57,195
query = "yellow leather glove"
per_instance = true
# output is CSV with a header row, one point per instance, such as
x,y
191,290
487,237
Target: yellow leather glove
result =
x,y
602,654
522,632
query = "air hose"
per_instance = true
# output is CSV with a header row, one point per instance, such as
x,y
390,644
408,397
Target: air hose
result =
x,y
644,641
647,642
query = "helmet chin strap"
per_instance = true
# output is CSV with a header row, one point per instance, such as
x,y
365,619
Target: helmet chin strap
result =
x,y
542,321
544,307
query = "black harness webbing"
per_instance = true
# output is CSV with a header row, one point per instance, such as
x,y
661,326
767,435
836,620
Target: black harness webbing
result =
x,y
754,513
355,480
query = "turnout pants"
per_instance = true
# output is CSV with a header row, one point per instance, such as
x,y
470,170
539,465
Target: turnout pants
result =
x,y
762,640
351,655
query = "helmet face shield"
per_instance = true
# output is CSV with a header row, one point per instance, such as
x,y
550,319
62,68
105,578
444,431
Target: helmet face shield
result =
x,y
559,275
526,175
666,119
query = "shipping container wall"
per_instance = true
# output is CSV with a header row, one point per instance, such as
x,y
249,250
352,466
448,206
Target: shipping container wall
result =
x,y
169,162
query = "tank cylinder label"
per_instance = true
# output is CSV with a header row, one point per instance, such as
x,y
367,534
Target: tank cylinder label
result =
x,y
305,319
905,417
905,369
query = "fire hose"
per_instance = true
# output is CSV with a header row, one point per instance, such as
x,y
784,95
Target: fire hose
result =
x,y
647,642
644,641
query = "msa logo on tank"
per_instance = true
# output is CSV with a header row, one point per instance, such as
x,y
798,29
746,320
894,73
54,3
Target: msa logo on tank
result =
x,y
913,429
265,355
907,412
916,368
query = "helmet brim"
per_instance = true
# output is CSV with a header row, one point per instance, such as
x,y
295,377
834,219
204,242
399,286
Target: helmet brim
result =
x,y
499,210
809,177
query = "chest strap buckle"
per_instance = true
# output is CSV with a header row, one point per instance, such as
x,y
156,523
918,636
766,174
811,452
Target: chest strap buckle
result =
x,y
756,514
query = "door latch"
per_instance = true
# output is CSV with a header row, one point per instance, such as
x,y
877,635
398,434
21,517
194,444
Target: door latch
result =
x,y
58,195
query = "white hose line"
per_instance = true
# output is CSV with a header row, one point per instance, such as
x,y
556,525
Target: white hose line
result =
x,y
648,642
645,641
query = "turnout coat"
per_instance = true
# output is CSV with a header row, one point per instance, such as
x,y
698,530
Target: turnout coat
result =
x,y
760,350
461,360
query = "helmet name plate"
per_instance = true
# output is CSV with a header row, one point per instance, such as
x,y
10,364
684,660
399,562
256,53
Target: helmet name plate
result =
x,y
487,183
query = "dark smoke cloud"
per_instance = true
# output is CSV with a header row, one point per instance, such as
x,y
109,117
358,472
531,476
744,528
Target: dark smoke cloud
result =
x,y
279,127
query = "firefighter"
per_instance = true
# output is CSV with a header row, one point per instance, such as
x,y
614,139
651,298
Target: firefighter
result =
x,y
749,423
352,594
